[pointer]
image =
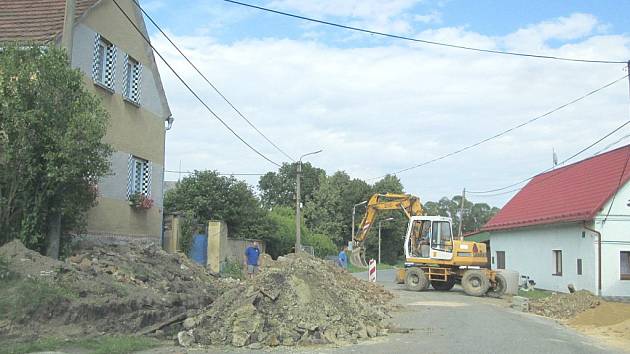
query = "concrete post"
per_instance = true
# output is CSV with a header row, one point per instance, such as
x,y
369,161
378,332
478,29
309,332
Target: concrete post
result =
x,y
217,244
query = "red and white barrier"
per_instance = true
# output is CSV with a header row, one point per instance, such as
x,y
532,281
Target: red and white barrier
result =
x,y
372,271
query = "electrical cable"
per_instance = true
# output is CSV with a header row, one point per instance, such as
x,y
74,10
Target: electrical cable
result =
x,y
483,193
491,51
468,147
219,173
210,83
191,90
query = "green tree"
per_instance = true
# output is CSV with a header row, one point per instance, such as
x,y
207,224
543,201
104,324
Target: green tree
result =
x,y
283,239
207,196
278,188
51,149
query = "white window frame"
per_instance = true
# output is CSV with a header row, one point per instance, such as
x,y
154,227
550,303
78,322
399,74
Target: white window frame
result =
x,y
139,176
133,74
104,63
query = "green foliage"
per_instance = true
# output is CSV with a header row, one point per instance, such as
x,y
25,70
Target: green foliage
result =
x,y
322,244
14,305
98,345
51,149
535,294
232,269
283,240
278,188
475,214
189,226
208,196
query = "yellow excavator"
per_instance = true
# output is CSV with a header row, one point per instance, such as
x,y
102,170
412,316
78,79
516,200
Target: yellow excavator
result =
x,y
432,256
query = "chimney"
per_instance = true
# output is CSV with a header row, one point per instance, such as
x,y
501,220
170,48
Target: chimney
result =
x,y
68,24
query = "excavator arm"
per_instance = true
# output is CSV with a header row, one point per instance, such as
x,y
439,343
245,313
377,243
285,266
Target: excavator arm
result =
x,y
409,204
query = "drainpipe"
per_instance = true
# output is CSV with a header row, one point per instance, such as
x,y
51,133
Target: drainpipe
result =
x,y
68,24
599,258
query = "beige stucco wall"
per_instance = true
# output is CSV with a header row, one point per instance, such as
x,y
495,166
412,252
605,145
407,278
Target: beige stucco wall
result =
x,y
133,130
117,218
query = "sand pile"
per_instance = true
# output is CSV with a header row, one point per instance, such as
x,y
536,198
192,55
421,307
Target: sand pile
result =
x,y
610,321
564,306
102,289
297,300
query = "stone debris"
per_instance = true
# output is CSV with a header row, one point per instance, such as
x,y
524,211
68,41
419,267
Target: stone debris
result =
x,y
111,289
297,300
520,303
564,306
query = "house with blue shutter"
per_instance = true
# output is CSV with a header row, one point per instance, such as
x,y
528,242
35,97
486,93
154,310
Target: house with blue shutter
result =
x,y
120,68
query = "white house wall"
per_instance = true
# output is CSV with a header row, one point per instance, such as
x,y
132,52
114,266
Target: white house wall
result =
x,y
529,251
615,238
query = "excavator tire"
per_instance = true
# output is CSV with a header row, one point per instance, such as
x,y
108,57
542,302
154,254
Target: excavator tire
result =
x,y
443,285
475,282
416,280
499,288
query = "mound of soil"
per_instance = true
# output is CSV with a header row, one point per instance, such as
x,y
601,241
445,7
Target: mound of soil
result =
x,y
297,300
108,289
564,306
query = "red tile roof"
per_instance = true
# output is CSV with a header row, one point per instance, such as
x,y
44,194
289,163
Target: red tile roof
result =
x,y
35,20
573,193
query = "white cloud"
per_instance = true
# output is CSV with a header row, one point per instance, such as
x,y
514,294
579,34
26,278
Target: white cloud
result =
x,y
573,27
429,18
379,109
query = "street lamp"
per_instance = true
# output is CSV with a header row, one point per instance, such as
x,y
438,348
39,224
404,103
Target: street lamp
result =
x,y
298,231
354,207
379,238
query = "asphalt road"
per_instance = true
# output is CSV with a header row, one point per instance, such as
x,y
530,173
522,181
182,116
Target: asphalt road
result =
x,y
452,322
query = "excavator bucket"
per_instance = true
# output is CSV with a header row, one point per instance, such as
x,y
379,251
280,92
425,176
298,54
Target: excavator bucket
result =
x,y
357,257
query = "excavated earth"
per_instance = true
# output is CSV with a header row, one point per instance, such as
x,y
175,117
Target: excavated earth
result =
x,y
297,300
104,289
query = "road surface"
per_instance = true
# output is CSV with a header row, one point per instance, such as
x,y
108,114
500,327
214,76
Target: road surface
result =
x,y
452,322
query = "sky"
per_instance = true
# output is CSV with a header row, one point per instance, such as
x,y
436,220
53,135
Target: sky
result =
x,y
377,105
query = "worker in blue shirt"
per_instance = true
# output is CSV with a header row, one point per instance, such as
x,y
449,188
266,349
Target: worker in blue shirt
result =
x,y
252,256
343,258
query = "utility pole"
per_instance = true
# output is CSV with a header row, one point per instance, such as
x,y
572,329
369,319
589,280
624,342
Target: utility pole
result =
x,y
461,213
298,217
298,229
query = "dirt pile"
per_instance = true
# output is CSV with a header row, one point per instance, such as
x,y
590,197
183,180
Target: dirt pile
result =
x,y
564,306
112,289
609,321
297,300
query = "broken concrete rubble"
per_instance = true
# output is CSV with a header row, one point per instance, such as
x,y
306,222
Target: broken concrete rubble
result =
x,y
298,300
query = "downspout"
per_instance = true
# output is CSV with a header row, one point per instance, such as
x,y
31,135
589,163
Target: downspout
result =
x,y
599,258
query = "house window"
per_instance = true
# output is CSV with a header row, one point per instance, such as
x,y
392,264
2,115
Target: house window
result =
x,y
579,266
139,176
625,265
557,257
104,65
133,71
500,259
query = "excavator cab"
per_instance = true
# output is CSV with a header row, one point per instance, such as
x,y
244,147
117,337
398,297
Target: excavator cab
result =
x,y
429,237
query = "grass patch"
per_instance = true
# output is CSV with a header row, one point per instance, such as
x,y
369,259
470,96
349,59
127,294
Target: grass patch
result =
x,y
232,269
6,274
21,298
99,345
535,294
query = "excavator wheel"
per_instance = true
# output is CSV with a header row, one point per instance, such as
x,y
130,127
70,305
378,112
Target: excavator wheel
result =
x,y
416,280
475,282
499,288
443,285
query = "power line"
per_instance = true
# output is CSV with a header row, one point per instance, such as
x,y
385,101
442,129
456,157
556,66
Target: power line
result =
x,y
210,83
504,131
219,173
442,44
191,90
547,170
